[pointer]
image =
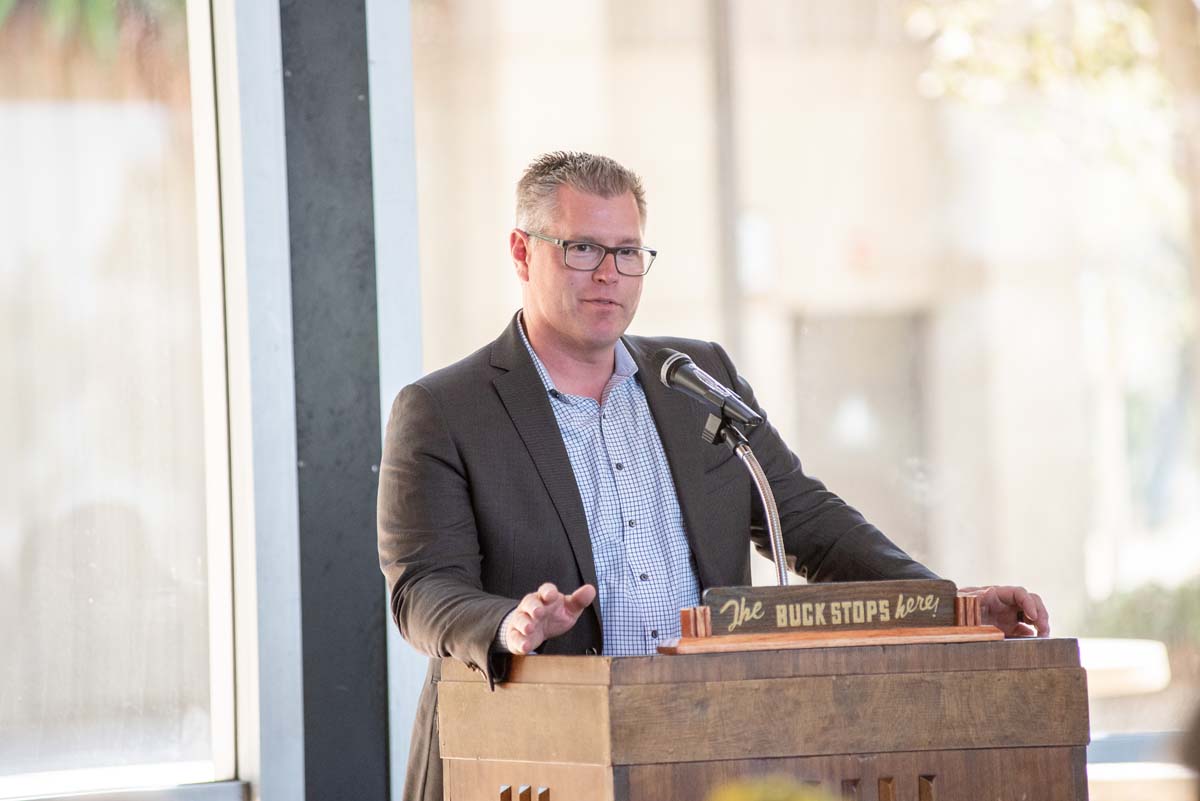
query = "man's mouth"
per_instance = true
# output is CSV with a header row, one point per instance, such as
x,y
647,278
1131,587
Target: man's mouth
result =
x,y
601,301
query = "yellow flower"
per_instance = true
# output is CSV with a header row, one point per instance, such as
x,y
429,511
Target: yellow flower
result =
x,y
771,788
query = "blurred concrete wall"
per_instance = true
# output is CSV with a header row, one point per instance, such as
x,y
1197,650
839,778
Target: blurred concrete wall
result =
x,y
926,287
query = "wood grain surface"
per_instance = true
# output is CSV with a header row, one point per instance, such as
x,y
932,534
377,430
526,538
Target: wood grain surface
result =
x,y
476,780
528,722
848,714
934,722
1014,774
1014,654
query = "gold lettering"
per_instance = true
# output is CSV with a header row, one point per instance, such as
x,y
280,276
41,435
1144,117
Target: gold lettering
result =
x,y
738,612
917,603
742,611
731,604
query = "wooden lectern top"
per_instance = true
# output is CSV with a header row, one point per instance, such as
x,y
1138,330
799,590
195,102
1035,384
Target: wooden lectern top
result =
x,y
1017,654
975,717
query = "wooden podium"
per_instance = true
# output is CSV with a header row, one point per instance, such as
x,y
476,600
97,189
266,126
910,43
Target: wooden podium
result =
x,y
986,721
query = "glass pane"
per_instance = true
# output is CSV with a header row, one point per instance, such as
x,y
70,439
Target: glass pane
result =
x,y
108,508
981,240
478,125
967,239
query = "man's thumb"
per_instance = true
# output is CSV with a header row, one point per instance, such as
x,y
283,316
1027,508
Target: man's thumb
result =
x,y
581,599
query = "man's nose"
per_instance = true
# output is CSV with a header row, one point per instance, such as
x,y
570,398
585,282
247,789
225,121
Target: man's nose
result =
x,y
606,272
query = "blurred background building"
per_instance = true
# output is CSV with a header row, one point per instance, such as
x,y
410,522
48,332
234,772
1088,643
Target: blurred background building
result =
x,y
954,244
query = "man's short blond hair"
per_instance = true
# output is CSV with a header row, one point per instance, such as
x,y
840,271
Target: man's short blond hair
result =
x,y
537,191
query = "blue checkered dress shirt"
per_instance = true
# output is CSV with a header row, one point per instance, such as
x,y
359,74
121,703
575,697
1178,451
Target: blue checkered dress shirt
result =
x,y
644,566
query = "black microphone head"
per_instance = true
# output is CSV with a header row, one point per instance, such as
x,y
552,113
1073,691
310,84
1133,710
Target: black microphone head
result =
x,y
667,361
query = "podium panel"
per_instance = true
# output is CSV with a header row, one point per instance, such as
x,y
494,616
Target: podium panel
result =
x,y
988,720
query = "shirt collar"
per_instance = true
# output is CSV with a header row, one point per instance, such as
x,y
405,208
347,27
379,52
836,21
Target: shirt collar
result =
x,y
623,363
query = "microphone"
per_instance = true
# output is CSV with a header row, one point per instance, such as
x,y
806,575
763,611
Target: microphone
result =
x,y
678,371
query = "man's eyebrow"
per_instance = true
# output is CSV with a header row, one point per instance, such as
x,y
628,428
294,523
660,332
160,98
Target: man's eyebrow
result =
x,y
635,242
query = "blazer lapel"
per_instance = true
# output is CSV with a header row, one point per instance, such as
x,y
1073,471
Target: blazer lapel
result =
x,y
524,397
679,424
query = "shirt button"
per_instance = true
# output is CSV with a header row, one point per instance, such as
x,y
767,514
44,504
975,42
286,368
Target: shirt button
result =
x,y
654,633
619,466
644,577
632,523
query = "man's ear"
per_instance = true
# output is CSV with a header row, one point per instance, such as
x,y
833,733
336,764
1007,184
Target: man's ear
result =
x,y
518,248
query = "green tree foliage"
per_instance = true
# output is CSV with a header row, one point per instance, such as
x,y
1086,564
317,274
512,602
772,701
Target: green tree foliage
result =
x,y
95,24
1171,615
980,48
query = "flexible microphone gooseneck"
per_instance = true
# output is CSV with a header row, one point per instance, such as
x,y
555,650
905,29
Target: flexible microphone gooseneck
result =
x,y
679,372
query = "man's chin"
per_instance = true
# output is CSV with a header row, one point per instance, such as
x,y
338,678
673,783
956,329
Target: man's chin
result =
x,y
603,338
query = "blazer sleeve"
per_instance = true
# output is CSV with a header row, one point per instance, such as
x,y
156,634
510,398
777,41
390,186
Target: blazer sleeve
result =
x,y
428,543
826,539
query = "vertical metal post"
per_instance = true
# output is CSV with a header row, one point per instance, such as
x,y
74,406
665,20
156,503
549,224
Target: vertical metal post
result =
x,y
728,204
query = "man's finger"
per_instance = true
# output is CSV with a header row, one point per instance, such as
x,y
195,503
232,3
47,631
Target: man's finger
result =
x,y
1021,630
1043,618
1029,605
581,599
521,623
524,633
529,603
1011,596
1002,597
548,593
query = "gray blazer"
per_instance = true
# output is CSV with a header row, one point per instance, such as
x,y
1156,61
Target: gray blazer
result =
x,y
478,506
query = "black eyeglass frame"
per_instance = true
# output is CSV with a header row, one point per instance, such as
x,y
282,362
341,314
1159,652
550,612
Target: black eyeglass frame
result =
x,y
565,243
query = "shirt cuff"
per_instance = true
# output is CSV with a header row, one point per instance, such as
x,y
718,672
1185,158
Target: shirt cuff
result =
x,y
500,642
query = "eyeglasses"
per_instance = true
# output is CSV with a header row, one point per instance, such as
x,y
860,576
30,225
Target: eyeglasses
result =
x,y
587,256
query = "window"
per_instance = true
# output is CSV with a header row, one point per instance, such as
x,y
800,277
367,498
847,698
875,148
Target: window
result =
x,y
115,600
966,294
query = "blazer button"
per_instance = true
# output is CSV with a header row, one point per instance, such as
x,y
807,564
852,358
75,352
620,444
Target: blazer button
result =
x,y
593,651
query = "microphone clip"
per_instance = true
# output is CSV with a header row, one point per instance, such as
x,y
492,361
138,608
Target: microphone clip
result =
x,y
721,430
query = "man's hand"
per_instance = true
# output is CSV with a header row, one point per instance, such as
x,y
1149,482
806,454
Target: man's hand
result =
x,y
545,614
1014,610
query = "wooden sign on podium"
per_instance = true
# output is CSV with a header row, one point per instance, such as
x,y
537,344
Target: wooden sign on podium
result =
x,y
830,615
837,606
922,722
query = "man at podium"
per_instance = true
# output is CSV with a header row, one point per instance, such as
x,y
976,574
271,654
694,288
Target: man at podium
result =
x,y
548,493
